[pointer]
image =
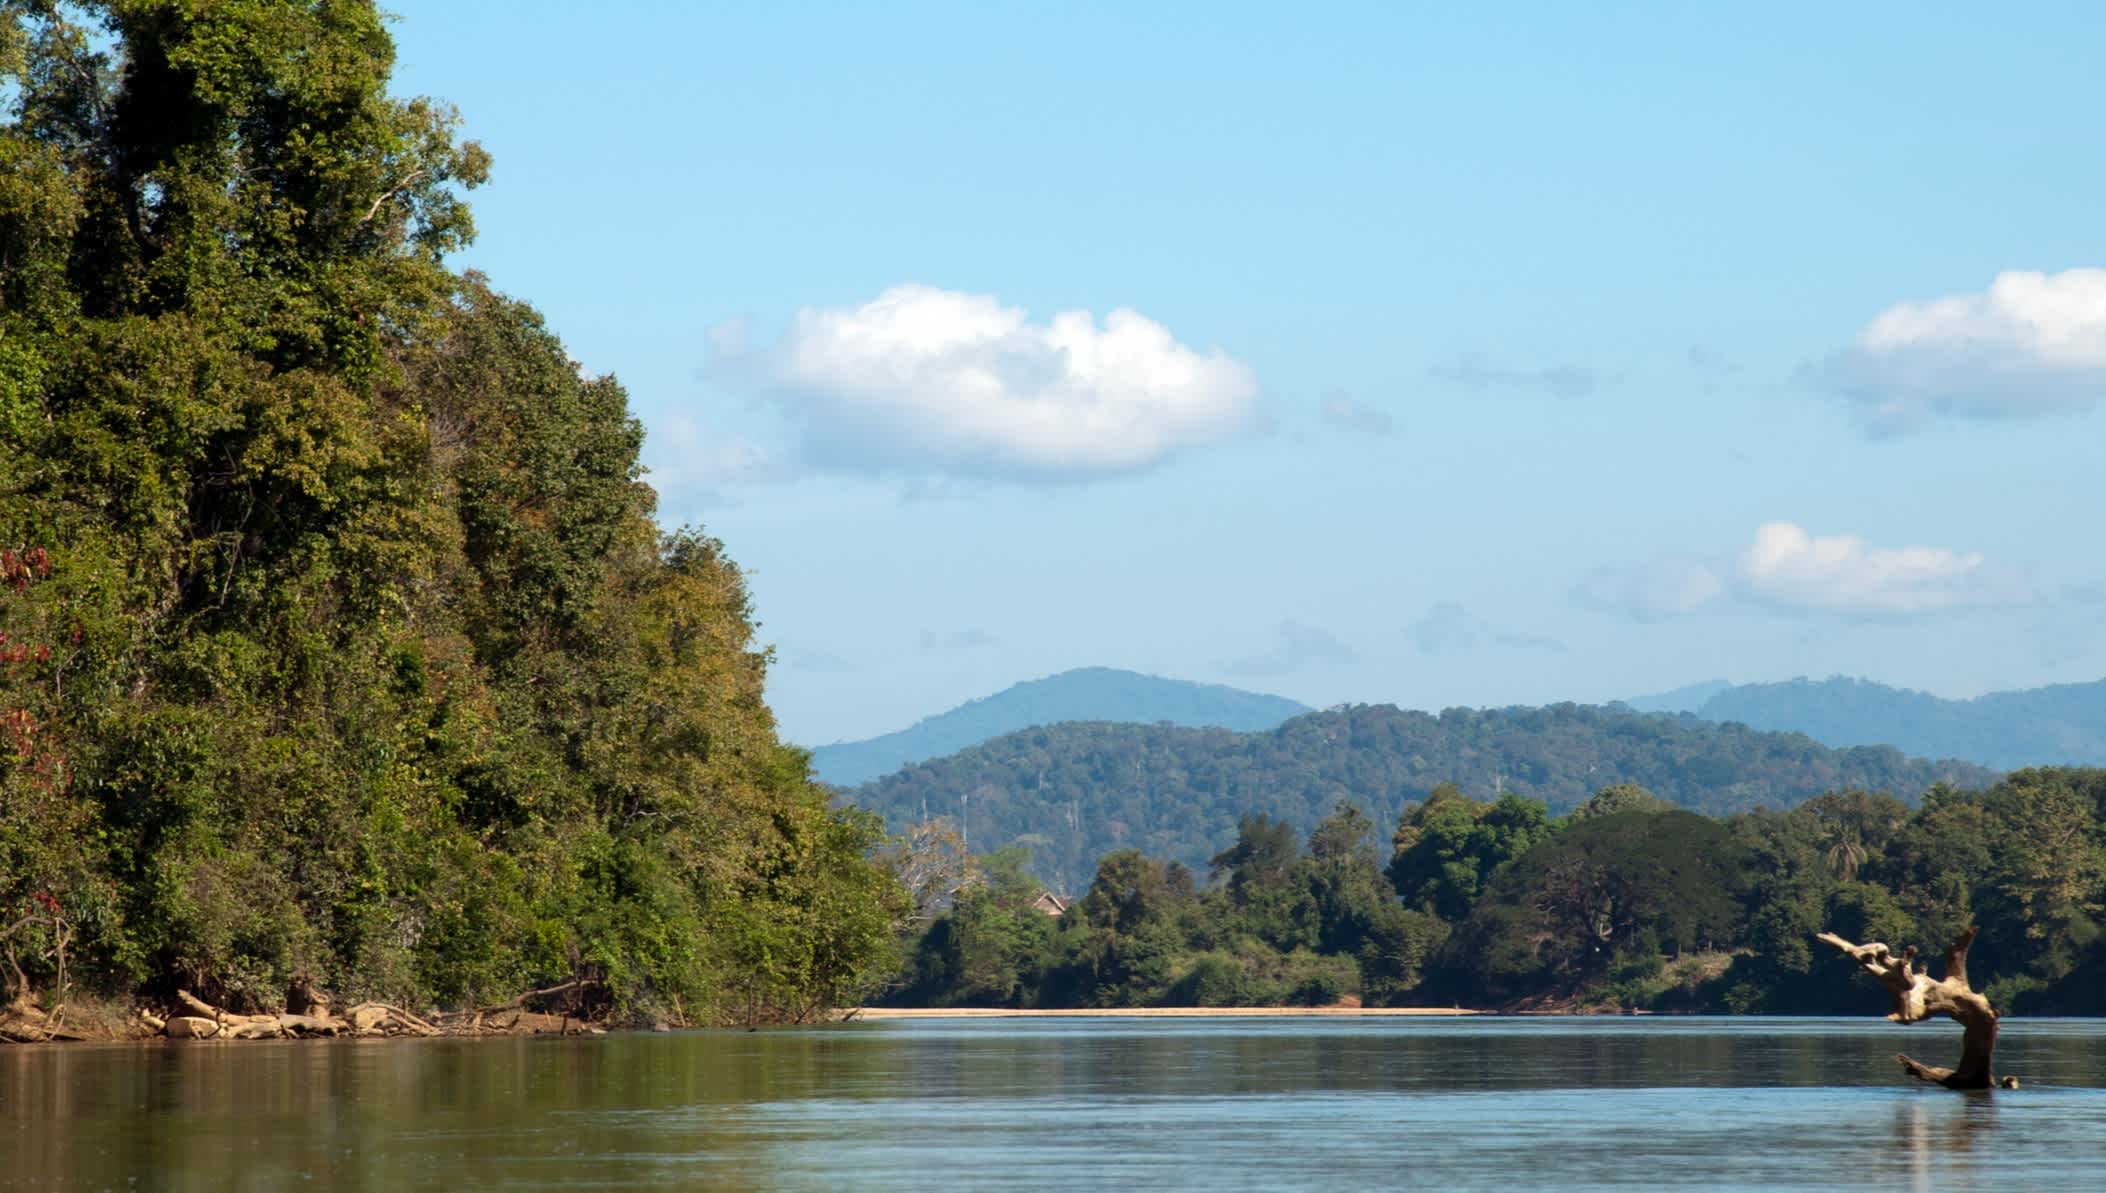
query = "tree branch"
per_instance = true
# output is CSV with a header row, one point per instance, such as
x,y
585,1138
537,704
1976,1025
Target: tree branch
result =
x,y
390,193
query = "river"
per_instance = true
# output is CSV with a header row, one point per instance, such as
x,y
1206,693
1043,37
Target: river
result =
x,y
936,1105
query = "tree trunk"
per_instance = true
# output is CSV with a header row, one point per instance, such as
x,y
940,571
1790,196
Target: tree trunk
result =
x,y
1916,998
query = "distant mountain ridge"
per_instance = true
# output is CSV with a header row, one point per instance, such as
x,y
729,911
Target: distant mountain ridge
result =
x,y
1072,792
2059,725
1083,694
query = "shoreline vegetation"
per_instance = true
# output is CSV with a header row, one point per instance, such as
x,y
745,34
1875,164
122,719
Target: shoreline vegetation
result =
x,y
340,642
1626,903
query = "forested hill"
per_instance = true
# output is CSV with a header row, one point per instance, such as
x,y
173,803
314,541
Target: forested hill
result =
x,y
2064,724
1076,791
1084,694
342,648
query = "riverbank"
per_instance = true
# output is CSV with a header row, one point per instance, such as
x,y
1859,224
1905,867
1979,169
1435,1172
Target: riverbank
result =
x,y
102,1021
881,1013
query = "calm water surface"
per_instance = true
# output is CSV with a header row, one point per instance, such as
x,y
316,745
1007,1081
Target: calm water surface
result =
x,y
1072,1104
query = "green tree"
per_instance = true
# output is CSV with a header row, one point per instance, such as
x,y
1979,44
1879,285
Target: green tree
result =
x,y
1620,797
1608,887
1448,845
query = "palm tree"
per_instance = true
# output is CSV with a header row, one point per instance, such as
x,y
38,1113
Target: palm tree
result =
x,y
1846,855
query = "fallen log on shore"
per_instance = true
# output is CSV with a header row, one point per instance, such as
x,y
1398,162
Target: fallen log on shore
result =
x,y
203,1021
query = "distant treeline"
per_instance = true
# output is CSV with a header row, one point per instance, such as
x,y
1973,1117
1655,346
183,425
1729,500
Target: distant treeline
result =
x,y
1626,902
1073,792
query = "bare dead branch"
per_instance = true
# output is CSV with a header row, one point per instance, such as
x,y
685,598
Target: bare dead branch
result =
x,y
1917,997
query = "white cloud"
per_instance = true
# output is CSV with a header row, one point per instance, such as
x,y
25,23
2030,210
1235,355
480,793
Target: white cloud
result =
x,y
1789,569
2032,344
927,380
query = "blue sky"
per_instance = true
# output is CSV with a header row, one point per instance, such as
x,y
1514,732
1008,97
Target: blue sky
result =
x,y
1455,355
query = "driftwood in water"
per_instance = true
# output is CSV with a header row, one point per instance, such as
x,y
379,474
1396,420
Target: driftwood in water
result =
x,y
203,1021
565,999
207,1022
1917,997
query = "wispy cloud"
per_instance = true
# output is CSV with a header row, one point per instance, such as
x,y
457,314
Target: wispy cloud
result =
x,y
1789,569
1475,371
1449,629
923,380
688,458
2084,594
1347,413
819,661
956,639
1707,360
2031,344
1300,647
1661,588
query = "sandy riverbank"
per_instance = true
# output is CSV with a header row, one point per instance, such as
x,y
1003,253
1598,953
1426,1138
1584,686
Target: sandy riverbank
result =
x,y
1152,1012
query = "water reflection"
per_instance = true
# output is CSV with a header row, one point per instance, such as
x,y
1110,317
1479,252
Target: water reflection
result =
x,y
1289,1104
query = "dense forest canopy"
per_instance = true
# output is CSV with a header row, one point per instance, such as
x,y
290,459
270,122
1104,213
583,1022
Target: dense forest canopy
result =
x,y
1072,793
337,640
1624,903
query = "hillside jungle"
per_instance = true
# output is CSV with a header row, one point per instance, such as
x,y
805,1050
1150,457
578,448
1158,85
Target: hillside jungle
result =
x,y
1074,792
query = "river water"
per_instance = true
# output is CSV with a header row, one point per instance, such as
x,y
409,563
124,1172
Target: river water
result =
x,y
1451,1104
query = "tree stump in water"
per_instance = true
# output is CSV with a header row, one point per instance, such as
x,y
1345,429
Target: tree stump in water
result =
x,y
1917,997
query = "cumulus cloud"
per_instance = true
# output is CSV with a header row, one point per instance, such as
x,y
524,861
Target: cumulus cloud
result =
x,y
1350,414
1448,628
1787,568
927,380
1474,371
1300,646
2032,344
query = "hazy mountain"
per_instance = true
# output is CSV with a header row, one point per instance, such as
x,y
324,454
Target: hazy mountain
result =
x,y
1073,792
1085,694
1688,698
2060,725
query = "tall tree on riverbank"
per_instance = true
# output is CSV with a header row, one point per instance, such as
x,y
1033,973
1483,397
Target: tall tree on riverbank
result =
x,y
340,638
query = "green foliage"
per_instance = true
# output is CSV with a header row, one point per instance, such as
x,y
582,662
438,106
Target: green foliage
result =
x,y
1619,797
1445,848
339,639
